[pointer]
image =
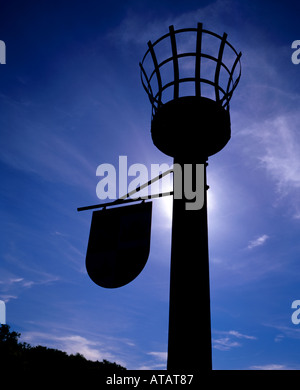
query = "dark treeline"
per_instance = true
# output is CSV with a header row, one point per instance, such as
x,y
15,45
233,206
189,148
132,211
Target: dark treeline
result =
x,y
21,358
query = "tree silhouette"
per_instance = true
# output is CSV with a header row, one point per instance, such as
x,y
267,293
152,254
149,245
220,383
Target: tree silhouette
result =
x,y
22,358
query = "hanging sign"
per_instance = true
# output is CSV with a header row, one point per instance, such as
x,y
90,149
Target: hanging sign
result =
x,y
119,244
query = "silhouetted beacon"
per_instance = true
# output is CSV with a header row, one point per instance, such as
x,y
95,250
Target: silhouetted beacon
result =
x,y
190,75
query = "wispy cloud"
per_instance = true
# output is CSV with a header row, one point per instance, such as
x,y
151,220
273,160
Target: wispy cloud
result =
x,y
90,349
270,367
135,29
286,331
241,335
159,355
159,362
35,144
225,344
15,284
229,341
281,151
74,343
6,298
11,286
258,241
274,147
71,344
279,338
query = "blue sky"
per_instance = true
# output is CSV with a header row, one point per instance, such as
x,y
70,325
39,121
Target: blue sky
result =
x,y
71,99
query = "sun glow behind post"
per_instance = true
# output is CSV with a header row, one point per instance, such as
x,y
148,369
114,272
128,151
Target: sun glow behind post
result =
x,y
211,202
165,204
222,205
164,185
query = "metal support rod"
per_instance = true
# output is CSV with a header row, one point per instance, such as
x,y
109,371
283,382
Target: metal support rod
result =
x,y
119,202
124,199
189,345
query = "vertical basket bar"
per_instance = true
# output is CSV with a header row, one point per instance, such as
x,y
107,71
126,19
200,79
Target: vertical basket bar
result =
x,y
198,60
147,88
156,67
218,68
229,94
175,62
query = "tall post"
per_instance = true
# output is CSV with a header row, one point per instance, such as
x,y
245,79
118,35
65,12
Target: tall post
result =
x,y
189,346
190,128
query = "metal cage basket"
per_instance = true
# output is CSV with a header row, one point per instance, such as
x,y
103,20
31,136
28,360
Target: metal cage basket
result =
x,y
188,71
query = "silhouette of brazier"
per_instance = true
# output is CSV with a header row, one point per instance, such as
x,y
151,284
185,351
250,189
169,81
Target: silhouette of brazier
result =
x,y
192,126
190,75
